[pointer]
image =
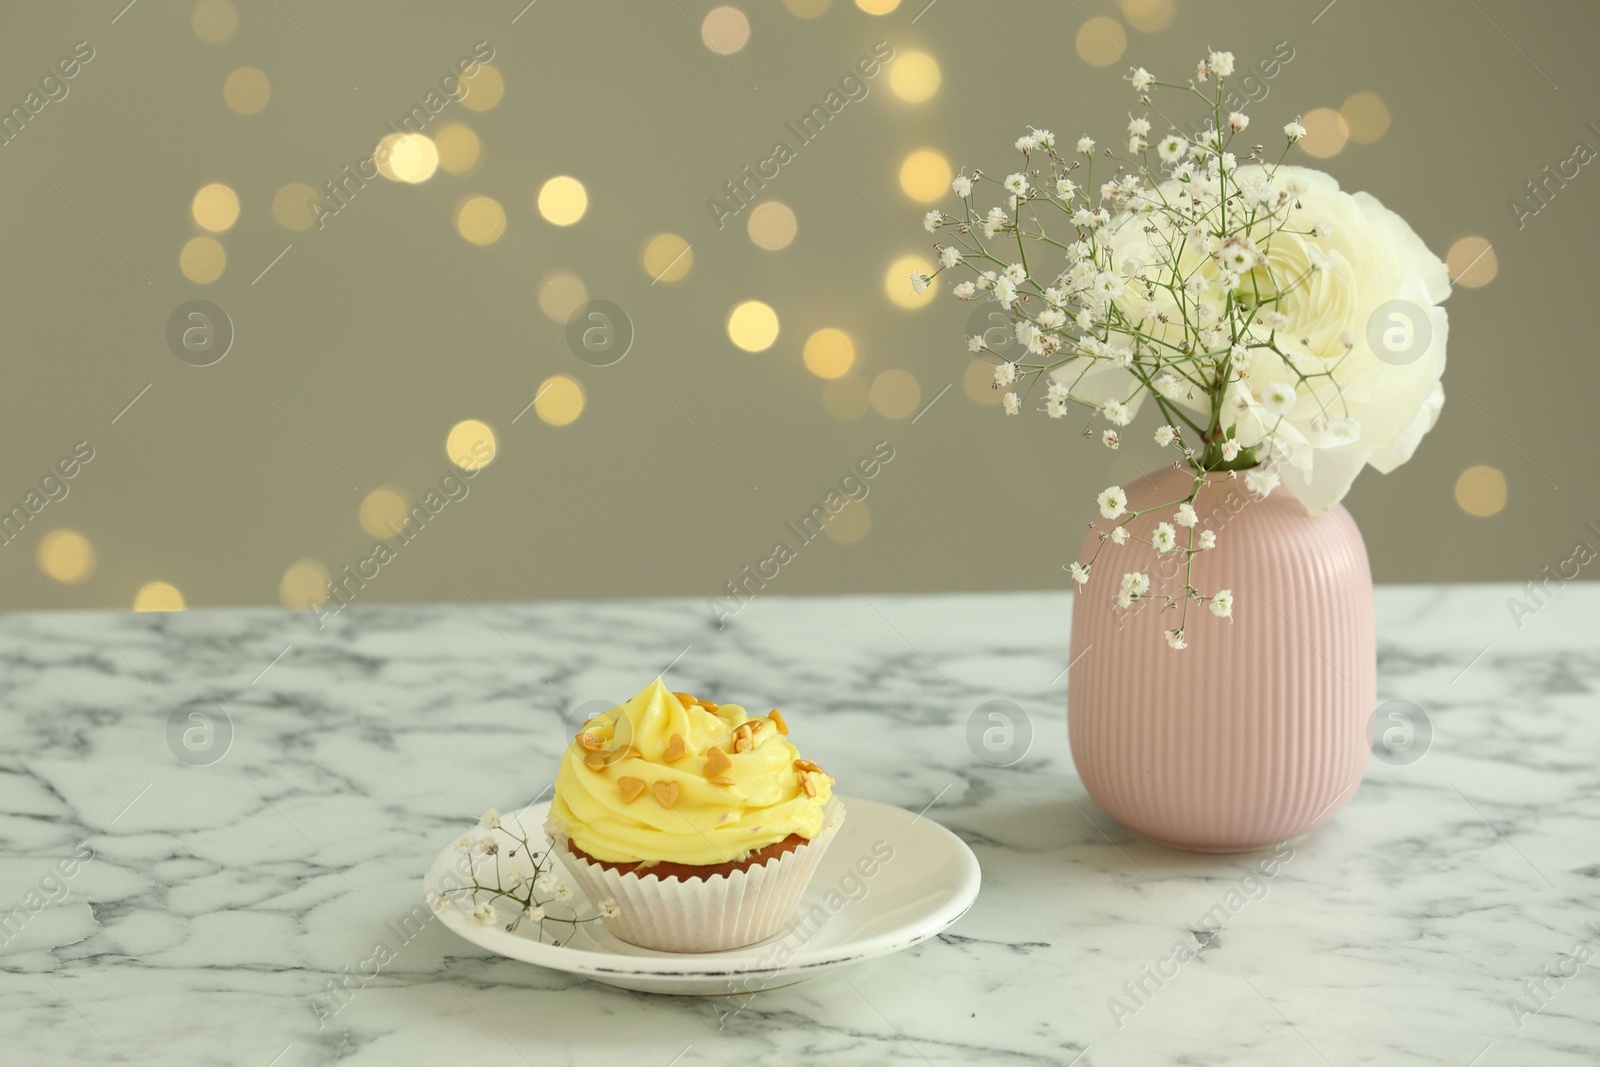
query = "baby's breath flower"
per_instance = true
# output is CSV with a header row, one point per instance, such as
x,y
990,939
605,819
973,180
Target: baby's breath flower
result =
x,y
961,186
1294,131
1142,79
1086,145
1230,450
563,892
1185,515
1175,639
975,343
608,909
1221,64
534,912
490,819
1016,273
1163,538
1017,183
1139,127
1208,540
1113,501
932,220
1005,374
949,256
919,283
1237,121
1012,403
1165,435
1110,439
1171,148
1080,573
1221,604
483,914
1065,187
546,882
965,290
1278,398
1116,412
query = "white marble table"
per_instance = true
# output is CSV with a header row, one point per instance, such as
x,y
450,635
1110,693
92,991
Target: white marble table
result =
x,y
222,898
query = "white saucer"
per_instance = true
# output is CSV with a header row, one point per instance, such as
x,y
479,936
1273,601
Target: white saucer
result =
x,y
929,882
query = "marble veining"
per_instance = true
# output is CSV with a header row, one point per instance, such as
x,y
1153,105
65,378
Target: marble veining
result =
x,y
195,911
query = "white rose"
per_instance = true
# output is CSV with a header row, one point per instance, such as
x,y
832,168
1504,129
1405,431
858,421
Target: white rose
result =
x,y
1365,408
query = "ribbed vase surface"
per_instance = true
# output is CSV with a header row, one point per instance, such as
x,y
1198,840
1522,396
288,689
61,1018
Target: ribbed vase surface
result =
x,y
1258,731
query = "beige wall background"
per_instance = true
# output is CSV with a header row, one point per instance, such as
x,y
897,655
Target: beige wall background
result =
x,y
358,345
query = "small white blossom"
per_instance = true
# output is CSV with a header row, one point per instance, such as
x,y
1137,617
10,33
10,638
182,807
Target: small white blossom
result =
x,y
465,845
1086,145
1027,143
1119,536
1065,188
1208,540
563,892
919,283
608,909
1163,538
1237,121
546,882
975,343
932,220
490,819
1116,412
1044,138
1165,435
1171,148
1139,127
1230,450
1055,408
1222,603
1185,515
1080,573
1142,79
1005,291
1113,501
1221,63
483,914
1278,398
1294,131
949,256
1110,439
961,186
1017,183
1005,374
1016,273
1012,402
1175,639
534,913
965,291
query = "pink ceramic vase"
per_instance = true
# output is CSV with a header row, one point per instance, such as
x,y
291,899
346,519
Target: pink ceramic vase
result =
x,y
1258,731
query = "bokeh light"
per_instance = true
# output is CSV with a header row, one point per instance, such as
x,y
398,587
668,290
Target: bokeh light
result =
x,y
1366,116
481,220
214,21
895,394
829,353
563,200
914,77
807,9
725,30
772,225
753,326
666,257
560,294
1101,41
1147,16
1481,491
407,157
66,556
925,176
877,7
1326,133
483,90
247,90
383,512
460,151
897,282
294,207
847,398
158,596
851,524
304,585
560,400
215,207
202,260
1472,262
470,444
978,382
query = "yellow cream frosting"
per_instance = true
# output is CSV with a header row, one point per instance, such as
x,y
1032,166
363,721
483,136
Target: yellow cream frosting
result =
x,y
660,779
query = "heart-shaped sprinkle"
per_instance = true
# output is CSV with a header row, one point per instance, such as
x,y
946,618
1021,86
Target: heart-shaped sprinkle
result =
x,y
667,793
630,788
676,749
717,761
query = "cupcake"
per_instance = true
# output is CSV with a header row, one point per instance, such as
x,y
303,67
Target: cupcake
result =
x,y
696,825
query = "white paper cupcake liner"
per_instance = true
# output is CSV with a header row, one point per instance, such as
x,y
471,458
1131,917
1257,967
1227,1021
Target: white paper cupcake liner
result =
x,y
702,914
